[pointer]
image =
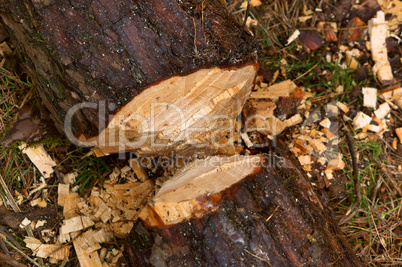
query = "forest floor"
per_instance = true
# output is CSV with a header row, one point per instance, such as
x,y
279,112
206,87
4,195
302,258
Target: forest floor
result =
x,y
339,94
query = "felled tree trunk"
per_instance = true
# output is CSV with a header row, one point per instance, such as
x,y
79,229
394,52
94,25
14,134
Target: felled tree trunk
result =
x,y
239,211
153,76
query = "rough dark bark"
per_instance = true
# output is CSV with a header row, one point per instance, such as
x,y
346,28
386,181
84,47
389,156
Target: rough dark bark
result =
x,y
111,51
272,218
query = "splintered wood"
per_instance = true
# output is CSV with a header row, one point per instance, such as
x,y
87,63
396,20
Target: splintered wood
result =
x,y
259,109
109,212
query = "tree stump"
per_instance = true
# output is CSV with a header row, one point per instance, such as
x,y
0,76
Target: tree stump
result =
x,y
155,76
240,211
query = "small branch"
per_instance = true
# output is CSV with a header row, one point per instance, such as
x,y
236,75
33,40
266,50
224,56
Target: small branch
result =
x,y
21,252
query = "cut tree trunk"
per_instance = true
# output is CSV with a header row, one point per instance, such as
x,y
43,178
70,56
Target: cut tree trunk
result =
x,y
239,211
153,76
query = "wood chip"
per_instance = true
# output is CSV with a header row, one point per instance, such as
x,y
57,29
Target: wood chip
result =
x,y
369,97
378,31
85,249
382,110
69,178
138,169
70,206
76,224
336,164
305,159
350,57
328,133
373,128
274,126
25,222
40,158
40,223
282,89
62,192
246,140
318,145
293,37
395,143
361,120
326,123
296,119
399,133
55,251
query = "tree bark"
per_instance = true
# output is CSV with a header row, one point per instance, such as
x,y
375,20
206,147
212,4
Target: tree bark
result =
x,y
114,56
272,217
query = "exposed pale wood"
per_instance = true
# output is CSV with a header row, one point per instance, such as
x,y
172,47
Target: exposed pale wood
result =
x,y
180,109
181,197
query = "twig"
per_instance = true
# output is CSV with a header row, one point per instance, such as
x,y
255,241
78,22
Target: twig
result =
x,y
350,213
355,168
21,252
11,261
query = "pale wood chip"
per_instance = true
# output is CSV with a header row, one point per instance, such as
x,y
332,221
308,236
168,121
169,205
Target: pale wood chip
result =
x,y
326,123
378,31
350,57
70,178
55,251
138,169
25,222
317,145
75,224
40,158
62,192
342,107
369,97
382,110
296,119
246,140
328,133
71,205
274,126
361,120
305,160
282,89
399,133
